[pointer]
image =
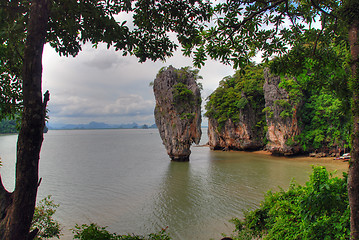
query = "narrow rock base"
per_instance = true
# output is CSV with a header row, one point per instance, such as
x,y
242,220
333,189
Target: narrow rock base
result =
x,y
180,158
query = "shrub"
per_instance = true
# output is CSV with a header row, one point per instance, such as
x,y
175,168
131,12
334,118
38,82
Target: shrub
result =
x,y
318,210
43,219
95,232
183,96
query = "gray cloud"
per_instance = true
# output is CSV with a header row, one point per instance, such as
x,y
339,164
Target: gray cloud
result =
x,y
75,106
103,60
102,85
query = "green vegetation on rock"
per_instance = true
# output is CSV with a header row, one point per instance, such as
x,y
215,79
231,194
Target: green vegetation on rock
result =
x,y
185,99
235,93
322,110
182,94
326,122
322,88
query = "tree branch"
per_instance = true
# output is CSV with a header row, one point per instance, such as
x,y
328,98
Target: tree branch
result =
x,y
46,99
316,6
32,234
252,15
277,26
290,17
319,34
38,184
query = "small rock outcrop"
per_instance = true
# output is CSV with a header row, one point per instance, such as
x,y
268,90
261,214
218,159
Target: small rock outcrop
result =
x,y
178,111
239,135
281,117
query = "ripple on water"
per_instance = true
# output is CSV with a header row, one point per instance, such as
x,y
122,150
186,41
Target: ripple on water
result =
x,y
124,179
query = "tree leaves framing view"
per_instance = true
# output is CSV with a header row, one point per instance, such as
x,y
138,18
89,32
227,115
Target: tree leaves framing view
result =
x,y
282,30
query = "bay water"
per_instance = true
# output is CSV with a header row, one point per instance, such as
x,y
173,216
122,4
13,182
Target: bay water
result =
x,y
124,179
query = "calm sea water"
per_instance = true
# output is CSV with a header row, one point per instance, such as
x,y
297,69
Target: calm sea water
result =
x,y
124,179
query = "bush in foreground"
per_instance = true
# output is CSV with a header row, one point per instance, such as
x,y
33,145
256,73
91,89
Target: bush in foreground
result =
x,y
43,220
95,232
318,210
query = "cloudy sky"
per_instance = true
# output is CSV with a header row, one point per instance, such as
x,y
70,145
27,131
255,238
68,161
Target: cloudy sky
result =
x,y
101,85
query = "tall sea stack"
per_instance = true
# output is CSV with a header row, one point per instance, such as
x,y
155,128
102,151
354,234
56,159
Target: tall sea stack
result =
x,y
178,110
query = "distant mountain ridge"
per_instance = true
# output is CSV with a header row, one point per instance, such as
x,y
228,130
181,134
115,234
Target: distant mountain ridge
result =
x,y
101,125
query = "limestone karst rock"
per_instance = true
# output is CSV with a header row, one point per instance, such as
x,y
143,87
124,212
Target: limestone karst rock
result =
x,y
178,111
234,111
281,117
240,135
236,126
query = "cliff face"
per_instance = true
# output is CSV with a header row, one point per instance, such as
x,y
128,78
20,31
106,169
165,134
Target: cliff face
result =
x,y
239,135
281,117
178,111
239,107
296,114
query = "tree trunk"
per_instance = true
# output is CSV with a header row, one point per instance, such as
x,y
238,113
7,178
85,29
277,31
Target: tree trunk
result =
x,y
18,211
353,180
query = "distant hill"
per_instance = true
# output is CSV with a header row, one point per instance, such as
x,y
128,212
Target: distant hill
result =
x,y
10,126
102,125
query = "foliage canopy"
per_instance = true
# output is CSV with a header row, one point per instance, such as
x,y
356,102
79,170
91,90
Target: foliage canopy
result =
x,y
123,25
242,28
320,87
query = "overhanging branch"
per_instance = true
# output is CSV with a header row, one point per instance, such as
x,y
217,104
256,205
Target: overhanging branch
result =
x,y
316,6
46,99
318,36
254,14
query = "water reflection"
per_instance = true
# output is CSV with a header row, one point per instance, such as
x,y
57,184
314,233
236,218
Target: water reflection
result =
x,y
197,199
185,203
124,179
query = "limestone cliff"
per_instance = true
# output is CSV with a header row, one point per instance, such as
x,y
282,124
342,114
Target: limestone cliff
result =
x,y
239,135
281,117
178,111
234,111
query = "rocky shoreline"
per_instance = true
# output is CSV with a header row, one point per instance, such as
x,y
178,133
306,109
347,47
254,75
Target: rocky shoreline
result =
x,y
319,156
